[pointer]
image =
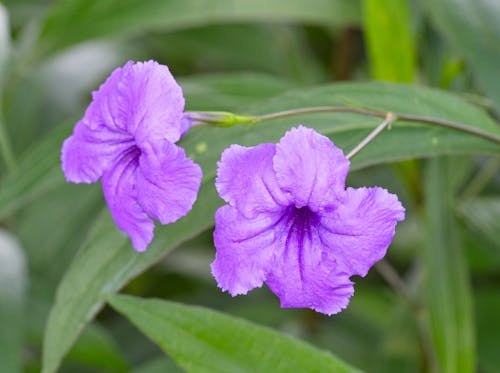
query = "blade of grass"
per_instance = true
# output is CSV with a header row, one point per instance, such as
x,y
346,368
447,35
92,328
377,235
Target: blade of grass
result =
x,y
447,289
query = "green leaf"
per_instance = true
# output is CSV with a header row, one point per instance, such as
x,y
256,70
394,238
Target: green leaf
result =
x,y
483,216
13,282
487,301
4,41
5,145
159,365
277,49
50,254
201,340
388,35
72,21
105,263
472,28
447,289
98,350
403,141
231,90
38,171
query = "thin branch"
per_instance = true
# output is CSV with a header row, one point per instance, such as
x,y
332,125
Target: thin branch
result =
x,y
390,276
320,109
368,139
380,114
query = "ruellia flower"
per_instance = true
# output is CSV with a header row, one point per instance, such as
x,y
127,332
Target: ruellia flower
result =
x,y
291,223
127,139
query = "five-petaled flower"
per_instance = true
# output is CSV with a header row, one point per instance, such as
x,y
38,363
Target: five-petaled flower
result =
x,y
292,224
126,138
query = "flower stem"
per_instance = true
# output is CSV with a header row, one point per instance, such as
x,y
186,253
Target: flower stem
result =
x,y
380,114
391,276
390,117
319,109
226,119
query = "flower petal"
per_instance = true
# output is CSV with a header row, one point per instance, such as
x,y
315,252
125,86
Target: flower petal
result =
x,y
245,249
311,168
167,181
141,99
152,101
121,196
246,179
91,150
361,229
305,275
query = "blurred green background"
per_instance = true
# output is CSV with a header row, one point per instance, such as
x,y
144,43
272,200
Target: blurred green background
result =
x,y
228,55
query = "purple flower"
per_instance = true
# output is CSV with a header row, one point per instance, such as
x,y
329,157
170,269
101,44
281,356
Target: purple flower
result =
x,y
126,137
292,224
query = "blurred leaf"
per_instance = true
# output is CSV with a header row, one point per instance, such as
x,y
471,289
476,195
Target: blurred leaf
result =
x,y
159,365
51,235
483,216
452,69
72,21
23,11
97,349
391,52
35,99
279,49
472,28
228,91
201,340
375,333
4,41
487,301
51,250
5,145
388,34
447,288
37,172
13,282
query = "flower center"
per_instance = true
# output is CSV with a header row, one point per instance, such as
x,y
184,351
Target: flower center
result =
x,y
300,222
132,153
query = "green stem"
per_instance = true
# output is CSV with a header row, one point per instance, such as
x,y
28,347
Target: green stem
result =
x,y
390,117
391,276
381,114
226,119
319,109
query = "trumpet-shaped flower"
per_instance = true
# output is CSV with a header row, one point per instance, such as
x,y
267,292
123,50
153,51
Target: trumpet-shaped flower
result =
x,y
291,223
127,139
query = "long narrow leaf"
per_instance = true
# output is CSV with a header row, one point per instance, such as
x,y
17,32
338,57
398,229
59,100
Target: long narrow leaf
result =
x,y
13,282
201,340
72,21
447,289
389,38
472,28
